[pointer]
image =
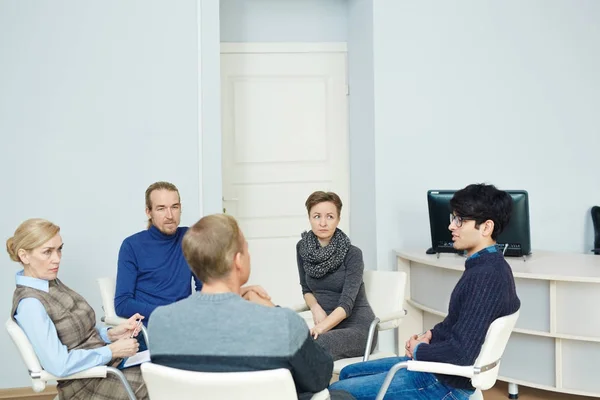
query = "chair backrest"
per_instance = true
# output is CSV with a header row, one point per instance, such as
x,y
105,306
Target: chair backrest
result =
x,y
385,290
107,292
28,355
596,222
493,347
165,383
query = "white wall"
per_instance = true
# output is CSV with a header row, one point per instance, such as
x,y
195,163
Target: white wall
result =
x,y
210,110
501,92
98,100
361,126
283,20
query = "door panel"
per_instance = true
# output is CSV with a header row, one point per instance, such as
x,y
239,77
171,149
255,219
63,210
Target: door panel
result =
x,y
285,135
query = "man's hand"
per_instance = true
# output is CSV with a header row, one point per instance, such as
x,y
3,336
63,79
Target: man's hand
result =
x,y
254,297
414,340
127,329
259,290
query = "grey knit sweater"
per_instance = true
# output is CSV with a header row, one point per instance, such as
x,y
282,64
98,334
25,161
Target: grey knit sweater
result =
x,y
225,333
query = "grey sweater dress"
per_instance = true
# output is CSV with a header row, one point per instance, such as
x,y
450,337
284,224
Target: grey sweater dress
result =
x,y
342,288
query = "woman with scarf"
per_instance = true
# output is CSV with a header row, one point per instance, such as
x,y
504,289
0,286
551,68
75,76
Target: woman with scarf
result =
x,y
331,277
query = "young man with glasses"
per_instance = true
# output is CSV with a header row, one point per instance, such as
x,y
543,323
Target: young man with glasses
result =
x,y
486,291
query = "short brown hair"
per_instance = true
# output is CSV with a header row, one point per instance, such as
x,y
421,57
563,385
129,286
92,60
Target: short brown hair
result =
x,y
160,185
321,197
30,235
210,245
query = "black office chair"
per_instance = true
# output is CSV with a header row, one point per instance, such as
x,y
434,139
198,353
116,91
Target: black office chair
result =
x,y
596,221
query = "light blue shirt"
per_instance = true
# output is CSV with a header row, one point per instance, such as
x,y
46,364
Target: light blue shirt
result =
x,y
39,328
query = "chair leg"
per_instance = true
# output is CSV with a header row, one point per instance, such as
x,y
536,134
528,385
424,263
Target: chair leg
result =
x,y
119,374
372,329
513,390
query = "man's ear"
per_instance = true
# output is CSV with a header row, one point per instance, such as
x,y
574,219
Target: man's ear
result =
x,y
488,228
23,256
237,261
148,213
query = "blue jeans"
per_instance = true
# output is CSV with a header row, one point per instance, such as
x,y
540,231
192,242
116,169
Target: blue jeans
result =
x,y
363,380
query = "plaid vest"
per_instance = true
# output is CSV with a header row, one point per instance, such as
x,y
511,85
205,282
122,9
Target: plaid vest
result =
x,y
73,317
75,323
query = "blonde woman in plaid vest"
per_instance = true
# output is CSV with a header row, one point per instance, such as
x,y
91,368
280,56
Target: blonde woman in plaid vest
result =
x,y
61,325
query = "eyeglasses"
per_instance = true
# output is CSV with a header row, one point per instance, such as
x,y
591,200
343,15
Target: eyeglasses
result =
x,y
458,221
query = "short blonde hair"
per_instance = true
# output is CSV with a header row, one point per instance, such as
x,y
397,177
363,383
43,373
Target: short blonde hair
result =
x,y
210,245
30,235
160,185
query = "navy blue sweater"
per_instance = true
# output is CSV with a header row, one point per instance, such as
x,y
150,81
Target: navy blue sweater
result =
x,y
151,272
486,291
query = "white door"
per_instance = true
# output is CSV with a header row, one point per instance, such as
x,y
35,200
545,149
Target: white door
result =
x,y
284,121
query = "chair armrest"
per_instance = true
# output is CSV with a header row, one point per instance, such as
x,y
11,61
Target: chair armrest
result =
x,y
113,321
300,307
94,372
145,335
322,395
441,368
424,366
391,321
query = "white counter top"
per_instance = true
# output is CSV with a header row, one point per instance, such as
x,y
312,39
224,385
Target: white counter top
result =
x,y
545,265
559,325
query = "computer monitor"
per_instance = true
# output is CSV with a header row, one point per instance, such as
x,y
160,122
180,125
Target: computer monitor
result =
x,y
516,235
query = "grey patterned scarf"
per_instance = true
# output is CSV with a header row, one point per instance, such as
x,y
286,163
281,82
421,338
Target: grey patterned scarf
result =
x,y
319,261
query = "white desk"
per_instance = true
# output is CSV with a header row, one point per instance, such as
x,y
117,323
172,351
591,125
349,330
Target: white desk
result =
x,y
556,343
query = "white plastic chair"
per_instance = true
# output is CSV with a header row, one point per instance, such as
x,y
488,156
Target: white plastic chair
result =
x,y
39,377
110,317
165,383
483,373
107,291
385,292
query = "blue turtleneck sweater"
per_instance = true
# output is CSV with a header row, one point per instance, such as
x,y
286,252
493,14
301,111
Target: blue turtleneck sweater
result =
x,y
152,272
486,291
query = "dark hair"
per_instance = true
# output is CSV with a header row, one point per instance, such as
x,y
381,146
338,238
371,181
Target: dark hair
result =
x,y
483,202
321,197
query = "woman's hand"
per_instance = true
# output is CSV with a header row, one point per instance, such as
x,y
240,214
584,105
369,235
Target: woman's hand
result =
x,y
256,289
318,314
127,329
317,330
124,348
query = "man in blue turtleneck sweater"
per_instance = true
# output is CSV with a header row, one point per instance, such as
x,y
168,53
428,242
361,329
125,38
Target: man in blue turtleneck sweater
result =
x,y
152,270
486,291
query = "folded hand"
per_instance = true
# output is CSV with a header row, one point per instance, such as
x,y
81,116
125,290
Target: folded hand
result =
x,y
259,290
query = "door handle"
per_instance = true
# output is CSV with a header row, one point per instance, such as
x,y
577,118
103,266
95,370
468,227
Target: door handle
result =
x,y
229,198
